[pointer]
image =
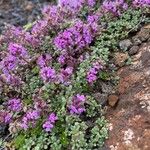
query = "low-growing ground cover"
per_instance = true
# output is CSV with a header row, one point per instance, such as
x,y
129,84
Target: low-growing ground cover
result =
x,y
49,73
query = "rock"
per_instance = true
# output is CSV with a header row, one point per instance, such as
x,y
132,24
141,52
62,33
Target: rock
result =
x,y
133,50
101,98
125,44
106,87
144,34
132,111
112,100
136,40
120,58
29,6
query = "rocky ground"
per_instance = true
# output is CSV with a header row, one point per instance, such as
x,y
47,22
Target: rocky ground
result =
x,y
129,121
19,12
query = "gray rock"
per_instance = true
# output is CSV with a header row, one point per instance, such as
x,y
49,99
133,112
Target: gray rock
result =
x,y
101,98
107,88
125,44
136,40
133,50
144,34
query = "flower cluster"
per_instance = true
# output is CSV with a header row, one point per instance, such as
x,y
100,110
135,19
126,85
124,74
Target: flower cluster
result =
x,y
93,18
49,123
19,35
76,5
15,105
91,3
92,73
66,59
5,117
8,64
17,50
40,28
13,80
54,16
16,55
30,119
44,60
73,5
114,7
141,3
76,38
48,74
65,74
77,106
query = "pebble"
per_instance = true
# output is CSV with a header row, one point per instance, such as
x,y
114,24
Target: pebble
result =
x,y
125,44
133,50
112,100
144,34
136,40
120,58
101,98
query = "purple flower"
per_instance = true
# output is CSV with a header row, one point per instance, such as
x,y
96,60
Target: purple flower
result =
x,y
33,115
48,74
31,40
61,59
13,80
39,104
77,105
44,60
52,118
29,119
65,74
92,18
76,38
40,28
141,3
7,118
80,98
114,7
91,3
24,126
53,15
15,104
49,123
91,78
48,126
50,11
74,5
8,64
17,50
92,73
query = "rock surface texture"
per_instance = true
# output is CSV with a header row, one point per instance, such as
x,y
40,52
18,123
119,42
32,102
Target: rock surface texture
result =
x,y
20,12
129,122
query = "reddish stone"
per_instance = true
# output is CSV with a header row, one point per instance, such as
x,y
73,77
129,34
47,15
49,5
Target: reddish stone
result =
x,y
112,100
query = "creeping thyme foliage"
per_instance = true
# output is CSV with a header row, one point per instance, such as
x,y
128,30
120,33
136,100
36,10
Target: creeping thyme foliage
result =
x,y
48,72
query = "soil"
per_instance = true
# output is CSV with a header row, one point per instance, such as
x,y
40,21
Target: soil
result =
x,y
129,121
